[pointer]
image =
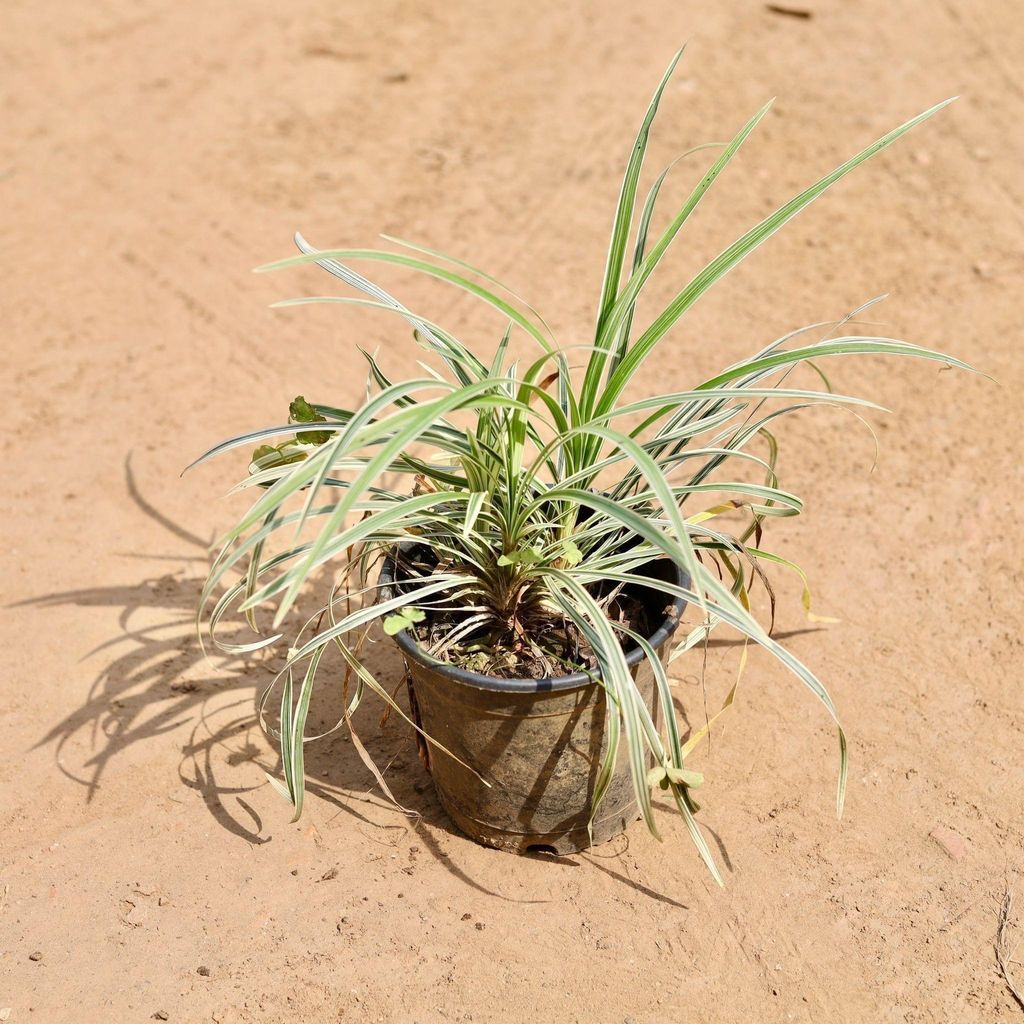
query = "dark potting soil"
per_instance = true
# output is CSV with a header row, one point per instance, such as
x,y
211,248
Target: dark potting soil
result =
x,y
535,644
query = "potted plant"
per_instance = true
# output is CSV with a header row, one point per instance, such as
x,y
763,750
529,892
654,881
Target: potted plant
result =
x,y
529,534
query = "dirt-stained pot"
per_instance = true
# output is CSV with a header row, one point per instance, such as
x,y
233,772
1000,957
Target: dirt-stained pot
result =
x,y
539,742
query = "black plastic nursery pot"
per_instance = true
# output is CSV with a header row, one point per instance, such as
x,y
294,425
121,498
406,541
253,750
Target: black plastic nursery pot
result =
x,y
538,742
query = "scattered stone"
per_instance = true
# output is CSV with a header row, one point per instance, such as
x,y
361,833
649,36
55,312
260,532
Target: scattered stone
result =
x,y
479,926
36,956
329,874
160,1015
204,971
295,871
951,843
467,917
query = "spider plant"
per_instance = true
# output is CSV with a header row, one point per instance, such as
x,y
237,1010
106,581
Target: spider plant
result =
x,y
539,491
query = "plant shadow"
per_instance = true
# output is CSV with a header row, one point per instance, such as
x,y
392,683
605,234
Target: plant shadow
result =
x,y
155,679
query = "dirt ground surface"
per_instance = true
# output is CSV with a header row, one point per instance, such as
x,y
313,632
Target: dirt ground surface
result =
x,y
152,154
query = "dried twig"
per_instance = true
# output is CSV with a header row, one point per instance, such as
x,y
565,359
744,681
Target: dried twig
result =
x,y
1004,954
790,12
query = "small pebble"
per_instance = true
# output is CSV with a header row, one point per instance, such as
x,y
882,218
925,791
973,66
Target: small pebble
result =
x,y
295,871
479,926
37,956
466,917
204,971
160,1015
950,842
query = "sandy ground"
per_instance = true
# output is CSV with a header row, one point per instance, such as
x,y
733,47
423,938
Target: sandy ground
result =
x,y
152,153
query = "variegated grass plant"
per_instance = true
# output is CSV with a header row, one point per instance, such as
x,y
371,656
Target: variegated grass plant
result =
x,y
537,487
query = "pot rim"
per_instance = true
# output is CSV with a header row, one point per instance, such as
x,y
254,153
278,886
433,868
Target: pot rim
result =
x,y
577,680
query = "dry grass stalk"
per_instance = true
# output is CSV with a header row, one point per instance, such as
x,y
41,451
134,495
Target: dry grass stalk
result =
x,y
1004,954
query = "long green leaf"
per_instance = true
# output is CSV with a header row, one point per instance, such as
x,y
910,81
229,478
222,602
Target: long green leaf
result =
x,y
739,250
